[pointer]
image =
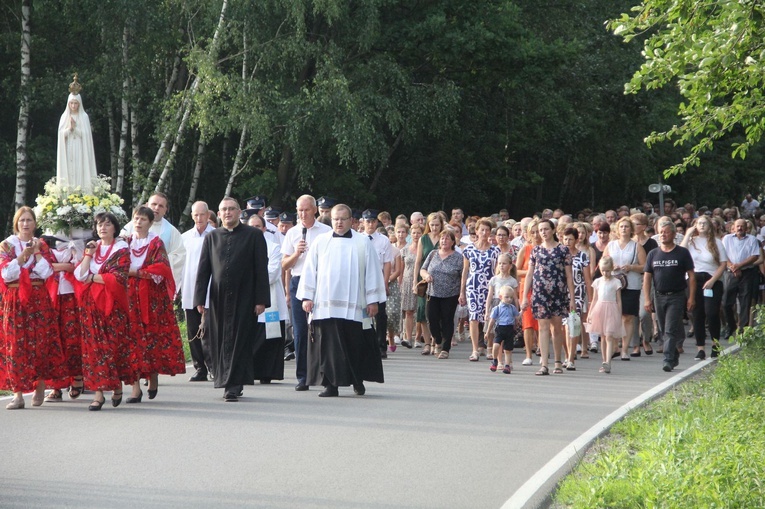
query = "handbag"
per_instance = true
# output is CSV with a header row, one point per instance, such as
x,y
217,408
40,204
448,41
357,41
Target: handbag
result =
x,y
422,288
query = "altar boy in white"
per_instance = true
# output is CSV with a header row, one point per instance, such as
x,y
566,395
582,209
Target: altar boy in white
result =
x,y
341,286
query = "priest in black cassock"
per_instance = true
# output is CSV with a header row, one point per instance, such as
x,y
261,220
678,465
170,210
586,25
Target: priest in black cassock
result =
x,y
234,261
342,285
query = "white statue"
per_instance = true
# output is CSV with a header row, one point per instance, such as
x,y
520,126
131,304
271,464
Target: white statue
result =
x,y
75,159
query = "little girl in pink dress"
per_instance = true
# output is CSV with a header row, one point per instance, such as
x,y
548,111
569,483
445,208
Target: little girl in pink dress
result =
x,y
606,315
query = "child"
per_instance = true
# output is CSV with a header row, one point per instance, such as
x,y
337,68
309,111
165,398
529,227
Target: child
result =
x,y
505,276
606,315
504,316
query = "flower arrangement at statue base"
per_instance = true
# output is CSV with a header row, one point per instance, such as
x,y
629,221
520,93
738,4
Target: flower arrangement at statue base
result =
x,y
68,212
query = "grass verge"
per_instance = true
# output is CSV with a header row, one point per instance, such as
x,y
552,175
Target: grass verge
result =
x,y
702,445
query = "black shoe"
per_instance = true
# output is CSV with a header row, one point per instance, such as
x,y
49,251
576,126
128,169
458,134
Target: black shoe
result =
x,y
135,400
329,391
289,356
701,355
199,376
152,393
265,381
384,353
667,367
146,382
359,389
96,405
301,387
116,401
230,397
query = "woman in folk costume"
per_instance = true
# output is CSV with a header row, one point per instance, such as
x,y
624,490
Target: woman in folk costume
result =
x,y
153,329
75,157
30,350
102,294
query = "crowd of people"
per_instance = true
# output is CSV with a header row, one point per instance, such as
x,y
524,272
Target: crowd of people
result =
x,y
337,290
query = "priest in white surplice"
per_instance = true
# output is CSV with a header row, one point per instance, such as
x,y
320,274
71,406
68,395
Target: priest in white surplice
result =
x,y
341,286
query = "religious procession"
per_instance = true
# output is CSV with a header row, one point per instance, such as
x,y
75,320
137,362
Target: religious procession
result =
x,y
88,305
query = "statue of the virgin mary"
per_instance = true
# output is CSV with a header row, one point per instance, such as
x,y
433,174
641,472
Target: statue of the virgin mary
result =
x,y
75,160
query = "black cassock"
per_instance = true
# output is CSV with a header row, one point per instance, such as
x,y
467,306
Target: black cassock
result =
x,y
235,263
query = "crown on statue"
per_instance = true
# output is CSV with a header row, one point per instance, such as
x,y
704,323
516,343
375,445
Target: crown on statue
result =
x,y
74,86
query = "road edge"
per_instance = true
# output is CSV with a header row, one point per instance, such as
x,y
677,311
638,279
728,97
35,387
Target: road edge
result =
x,y
536,493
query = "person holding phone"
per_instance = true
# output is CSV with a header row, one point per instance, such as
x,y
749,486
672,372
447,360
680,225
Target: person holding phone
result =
x,y
709,259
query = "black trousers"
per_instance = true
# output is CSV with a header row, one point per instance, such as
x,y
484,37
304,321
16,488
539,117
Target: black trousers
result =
x,y
381,327
739,290
441,319
707,309
200,347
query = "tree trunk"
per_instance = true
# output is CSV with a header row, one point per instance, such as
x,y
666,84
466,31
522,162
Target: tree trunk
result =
x,y
237,168
384,164
22,133
136,157
112,143
186,106
122,154
194,183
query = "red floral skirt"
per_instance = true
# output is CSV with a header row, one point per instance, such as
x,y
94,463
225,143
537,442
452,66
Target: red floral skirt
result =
x,y
71,340
106,348
158,347
30,348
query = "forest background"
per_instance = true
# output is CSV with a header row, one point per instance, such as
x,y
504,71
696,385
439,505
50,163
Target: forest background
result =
x,y
397,105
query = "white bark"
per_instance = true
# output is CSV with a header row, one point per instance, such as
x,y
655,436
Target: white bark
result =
x,y
122,155
238,167
186,108
112,143
194,182
22,133
136,158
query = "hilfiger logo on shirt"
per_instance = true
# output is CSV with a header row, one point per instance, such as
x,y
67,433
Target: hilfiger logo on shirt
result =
x,y
665,263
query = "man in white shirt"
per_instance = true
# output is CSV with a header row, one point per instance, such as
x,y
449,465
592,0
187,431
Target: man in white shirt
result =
x,y
192,243
386,255
741,278
296,244
171,237
749,206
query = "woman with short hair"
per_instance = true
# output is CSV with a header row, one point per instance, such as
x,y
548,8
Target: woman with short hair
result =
x,y
29,342
480,260
106,348
442,271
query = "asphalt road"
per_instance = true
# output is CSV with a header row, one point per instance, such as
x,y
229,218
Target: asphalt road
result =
x,y
438,433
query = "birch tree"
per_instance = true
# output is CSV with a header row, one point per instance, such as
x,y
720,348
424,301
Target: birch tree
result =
x,y
24,100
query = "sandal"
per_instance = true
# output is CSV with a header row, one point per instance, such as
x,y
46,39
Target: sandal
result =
x,y
443,355
473,357
543,371
426,349
54,396
75,391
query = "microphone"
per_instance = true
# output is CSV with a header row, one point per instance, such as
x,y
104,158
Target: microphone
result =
x,y
305,230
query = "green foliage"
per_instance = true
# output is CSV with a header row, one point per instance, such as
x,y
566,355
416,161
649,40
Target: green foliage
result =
x,y
712,52
700,446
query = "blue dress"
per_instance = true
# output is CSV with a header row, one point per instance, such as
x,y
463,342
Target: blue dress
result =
x,y
549,289
482,265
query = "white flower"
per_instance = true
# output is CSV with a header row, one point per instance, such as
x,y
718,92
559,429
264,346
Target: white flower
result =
x,y
62,211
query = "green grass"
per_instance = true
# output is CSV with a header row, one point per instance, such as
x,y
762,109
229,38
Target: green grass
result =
x,y
702,445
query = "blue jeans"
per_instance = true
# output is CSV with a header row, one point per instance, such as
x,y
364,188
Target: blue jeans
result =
x,y
300,332
669,312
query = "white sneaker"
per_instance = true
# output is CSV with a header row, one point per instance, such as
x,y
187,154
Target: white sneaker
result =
x,y
594,347
397,340
578,348
418,344
527,362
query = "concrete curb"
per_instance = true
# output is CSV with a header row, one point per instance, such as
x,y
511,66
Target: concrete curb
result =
x,y
537,491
